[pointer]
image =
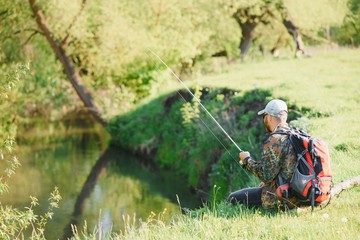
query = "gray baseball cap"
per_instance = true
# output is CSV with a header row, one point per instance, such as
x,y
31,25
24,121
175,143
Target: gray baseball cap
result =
x,y
274,108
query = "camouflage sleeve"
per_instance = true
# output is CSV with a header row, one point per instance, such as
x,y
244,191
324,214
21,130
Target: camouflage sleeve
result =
x,y
269,166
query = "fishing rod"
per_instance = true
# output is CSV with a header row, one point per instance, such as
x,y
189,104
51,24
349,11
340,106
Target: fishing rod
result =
x,y
198,100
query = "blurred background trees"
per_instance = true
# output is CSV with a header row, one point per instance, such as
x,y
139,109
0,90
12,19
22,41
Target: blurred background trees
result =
x,y
348,33
106,43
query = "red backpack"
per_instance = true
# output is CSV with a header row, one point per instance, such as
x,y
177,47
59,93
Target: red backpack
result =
x,y
312,178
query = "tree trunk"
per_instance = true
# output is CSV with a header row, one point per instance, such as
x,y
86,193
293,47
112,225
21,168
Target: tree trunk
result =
x,y
69,67
293,31
248,21
247,30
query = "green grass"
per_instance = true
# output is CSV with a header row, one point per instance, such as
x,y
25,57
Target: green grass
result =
x,y
327,83
340,220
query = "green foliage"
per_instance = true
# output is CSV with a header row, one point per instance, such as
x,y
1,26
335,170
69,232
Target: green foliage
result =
x,y
310,15
44,91
190,111
9,82
15,223
342,147
349,32
108,42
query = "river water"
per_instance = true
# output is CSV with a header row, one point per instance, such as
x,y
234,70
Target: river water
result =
x,y
98,184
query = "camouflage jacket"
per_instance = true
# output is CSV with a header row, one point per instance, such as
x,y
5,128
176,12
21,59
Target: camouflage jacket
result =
x,y
278,156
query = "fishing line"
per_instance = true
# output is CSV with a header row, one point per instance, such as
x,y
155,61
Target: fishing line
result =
x,y
184,85
212,132
206,111
223,145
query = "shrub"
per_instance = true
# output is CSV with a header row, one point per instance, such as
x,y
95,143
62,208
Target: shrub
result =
x,y
16,223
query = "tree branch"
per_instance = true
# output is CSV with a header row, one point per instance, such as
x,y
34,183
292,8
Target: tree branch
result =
x,y
29,38
65,40
34,31
347,184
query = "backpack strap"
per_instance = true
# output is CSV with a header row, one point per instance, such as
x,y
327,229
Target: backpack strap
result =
x,y
282,189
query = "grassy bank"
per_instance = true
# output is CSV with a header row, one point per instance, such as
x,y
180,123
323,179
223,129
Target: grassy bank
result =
x,y
324,89
338,221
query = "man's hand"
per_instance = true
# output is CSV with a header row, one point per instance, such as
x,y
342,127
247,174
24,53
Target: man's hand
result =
x,y
242,156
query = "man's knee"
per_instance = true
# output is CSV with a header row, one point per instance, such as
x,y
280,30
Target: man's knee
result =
x,y
247,196
231,199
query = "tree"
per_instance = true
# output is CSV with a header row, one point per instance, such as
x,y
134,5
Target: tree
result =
x,y
349,32
22,41
297,18
61,52
101,45
265,13
293,30
100,58
248,19
312,17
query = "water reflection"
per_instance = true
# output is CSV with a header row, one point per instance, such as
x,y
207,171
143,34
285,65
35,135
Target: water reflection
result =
x,y
86,190
98,184
127,188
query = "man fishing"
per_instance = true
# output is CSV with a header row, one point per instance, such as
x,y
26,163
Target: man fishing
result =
x,y
279,157
276,164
